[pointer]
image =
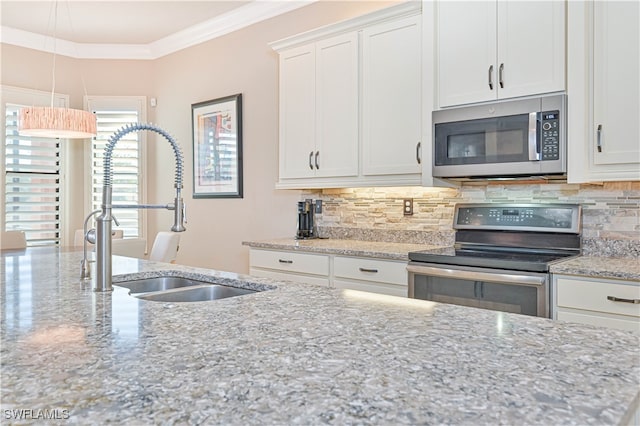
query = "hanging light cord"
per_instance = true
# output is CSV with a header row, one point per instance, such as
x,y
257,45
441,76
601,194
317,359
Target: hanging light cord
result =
x,y
54,11
55,48
73,36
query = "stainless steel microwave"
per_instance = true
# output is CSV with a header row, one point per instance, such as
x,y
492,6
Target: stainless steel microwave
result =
x,y
517,138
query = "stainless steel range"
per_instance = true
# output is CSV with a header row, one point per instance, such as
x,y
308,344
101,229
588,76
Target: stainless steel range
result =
x,y
500,259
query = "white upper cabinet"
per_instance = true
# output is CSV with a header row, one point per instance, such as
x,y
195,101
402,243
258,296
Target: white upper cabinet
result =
x,y
391,97
488,50
604,91
351,102
319,109
297,111
337,106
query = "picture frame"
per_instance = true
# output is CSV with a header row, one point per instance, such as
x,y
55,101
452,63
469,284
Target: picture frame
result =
x,y
217,147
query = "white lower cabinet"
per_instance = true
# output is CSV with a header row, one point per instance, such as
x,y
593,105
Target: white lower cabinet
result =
x,y
373,275
285,265
346,272
609,303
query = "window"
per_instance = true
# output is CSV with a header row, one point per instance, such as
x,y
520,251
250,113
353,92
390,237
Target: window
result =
x,y
127,160
33,180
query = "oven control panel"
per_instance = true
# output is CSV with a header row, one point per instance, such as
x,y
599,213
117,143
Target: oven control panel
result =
x,y
524,217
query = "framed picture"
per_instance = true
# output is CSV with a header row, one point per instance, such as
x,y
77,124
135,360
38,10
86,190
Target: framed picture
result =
x,y
217,148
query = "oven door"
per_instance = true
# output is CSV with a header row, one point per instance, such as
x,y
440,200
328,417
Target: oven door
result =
x,y
519,292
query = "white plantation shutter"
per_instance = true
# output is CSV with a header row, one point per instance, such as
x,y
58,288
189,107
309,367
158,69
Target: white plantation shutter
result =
x,y
32,183
125,164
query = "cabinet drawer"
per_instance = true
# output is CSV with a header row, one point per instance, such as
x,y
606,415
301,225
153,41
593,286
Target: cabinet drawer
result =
x,y
316,264
385,271
620,322
596,295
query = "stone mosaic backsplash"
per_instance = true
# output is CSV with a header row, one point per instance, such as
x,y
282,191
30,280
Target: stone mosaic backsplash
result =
x,y
610,223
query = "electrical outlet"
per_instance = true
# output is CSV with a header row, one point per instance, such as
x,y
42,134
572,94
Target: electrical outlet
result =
x,y
318,206
407,206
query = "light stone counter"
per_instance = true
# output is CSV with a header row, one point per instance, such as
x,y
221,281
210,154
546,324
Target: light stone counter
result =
x,y
382,250
625,268
294,354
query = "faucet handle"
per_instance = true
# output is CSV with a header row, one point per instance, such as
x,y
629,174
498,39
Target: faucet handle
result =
x,y
184,213
90,236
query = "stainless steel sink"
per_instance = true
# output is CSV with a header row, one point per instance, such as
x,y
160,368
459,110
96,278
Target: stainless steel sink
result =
x,y
196,294
147,285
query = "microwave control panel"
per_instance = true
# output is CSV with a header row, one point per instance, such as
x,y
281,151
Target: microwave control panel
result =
x,y
550,135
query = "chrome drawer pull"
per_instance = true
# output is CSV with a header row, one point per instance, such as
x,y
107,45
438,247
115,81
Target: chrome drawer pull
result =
x,y
285,261
618,299
375,271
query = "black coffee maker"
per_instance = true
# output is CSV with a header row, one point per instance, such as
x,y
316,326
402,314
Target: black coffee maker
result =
x,y
306,220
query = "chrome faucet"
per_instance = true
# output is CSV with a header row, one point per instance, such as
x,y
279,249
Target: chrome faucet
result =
x,y
103,222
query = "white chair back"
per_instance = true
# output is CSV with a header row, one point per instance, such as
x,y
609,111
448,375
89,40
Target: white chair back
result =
x,y
130,247
165,247
13,240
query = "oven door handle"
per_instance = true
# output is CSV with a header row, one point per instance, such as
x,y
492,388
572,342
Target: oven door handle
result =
x,y
527,280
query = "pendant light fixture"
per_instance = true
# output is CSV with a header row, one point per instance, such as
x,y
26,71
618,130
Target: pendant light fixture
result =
x,y
56,122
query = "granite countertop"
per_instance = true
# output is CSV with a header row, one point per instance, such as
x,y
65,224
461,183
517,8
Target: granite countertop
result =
x,y
293,354
382,250
627,268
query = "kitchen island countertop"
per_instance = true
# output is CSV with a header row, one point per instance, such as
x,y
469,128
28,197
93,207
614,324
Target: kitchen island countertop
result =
x,y
294,354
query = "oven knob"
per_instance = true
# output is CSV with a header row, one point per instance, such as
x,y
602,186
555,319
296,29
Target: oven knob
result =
x,y
546,126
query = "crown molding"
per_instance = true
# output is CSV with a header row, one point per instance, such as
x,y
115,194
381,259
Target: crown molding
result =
x,y
208,30
407,8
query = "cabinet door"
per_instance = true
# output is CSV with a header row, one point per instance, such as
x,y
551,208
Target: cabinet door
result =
x,y
337,106
466,52
616,97
531,53
297,112
391,97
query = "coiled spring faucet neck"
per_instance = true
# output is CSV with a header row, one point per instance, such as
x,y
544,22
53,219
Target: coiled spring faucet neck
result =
x,y
103,232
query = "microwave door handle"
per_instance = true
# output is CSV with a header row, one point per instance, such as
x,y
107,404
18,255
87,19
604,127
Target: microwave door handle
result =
x,y
534,154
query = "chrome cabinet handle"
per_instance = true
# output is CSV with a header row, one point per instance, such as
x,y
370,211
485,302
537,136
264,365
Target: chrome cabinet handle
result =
x,y
285,261
491,77
501,75
619,299
374,271
419,152
310,157
317,163
599,138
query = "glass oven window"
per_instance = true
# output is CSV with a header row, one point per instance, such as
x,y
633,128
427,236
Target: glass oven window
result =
x,y
479,294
